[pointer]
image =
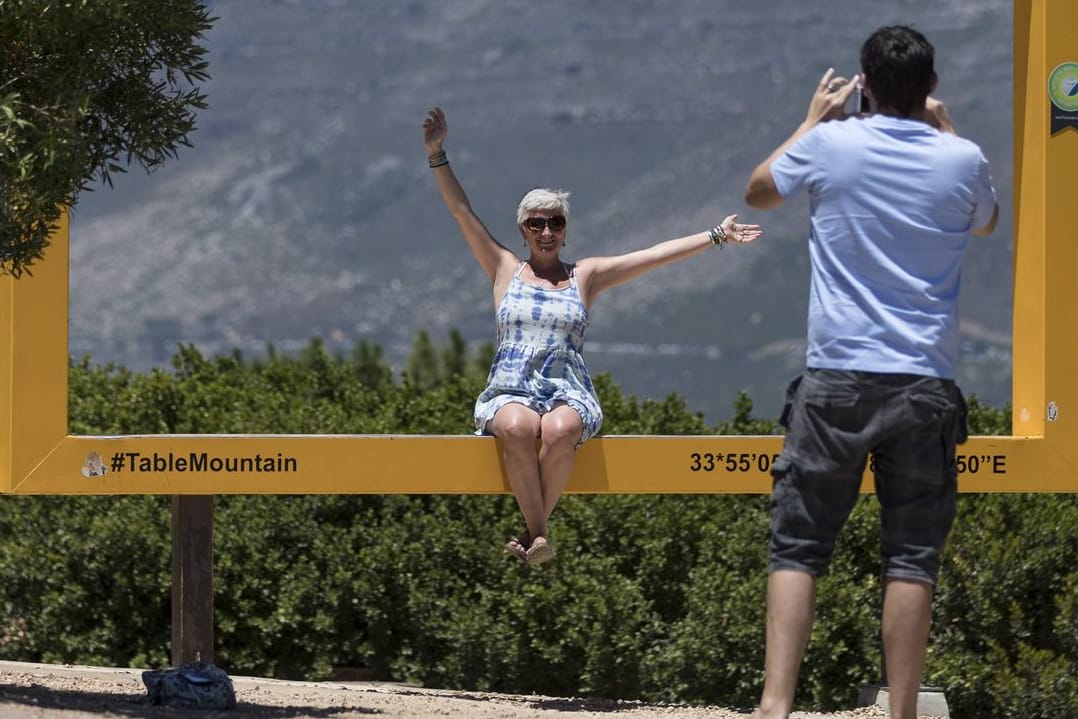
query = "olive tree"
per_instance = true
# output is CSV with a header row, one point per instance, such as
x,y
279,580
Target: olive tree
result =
x,y
88,87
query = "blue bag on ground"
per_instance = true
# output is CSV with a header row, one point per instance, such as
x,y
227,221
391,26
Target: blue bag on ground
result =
x,y
200,685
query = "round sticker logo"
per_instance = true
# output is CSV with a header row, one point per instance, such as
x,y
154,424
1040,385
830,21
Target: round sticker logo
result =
x,y
1063,86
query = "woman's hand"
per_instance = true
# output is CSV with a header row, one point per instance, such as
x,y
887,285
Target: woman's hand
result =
x,y
738,232
435,130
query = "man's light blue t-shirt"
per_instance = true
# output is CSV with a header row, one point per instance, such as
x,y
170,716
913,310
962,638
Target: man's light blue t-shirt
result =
x,y
893,201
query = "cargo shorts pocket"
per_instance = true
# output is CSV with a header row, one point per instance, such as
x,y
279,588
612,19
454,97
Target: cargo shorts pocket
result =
x,y
791,394
961,416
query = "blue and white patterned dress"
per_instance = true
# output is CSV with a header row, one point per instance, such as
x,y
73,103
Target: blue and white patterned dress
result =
x,y
538,361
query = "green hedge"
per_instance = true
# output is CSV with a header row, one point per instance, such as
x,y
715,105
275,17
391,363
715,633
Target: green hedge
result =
x,y
658,597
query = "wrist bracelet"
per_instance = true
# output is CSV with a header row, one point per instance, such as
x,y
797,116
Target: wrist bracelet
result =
x,y
717,236
438,159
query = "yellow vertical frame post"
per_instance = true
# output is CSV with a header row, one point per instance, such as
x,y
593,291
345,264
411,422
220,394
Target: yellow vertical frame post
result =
x,y
33,362
1061,250
1030,120
1045,392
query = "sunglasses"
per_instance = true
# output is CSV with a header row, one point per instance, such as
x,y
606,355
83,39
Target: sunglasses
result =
x,y
536,224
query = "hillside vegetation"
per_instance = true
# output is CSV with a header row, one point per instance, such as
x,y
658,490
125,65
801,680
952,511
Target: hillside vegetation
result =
x,y
656,597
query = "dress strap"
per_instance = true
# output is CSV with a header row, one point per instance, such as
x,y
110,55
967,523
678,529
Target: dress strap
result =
x,y
520,268
571,271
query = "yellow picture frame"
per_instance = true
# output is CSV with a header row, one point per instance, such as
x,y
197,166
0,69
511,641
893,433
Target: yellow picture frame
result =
x,y
38,456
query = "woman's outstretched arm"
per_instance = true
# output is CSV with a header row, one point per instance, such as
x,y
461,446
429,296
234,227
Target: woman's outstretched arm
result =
x,y
492,256
598,274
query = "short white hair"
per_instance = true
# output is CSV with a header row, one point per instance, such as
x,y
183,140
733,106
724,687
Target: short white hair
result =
x,y
542,198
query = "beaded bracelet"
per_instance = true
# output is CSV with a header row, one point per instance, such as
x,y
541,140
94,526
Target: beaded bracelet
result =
x,y
717,235
438,159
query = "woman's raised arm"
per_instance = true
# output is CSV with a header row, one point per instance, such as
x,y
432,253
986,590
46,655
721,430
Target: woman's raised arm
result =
x,y
598,274
492,256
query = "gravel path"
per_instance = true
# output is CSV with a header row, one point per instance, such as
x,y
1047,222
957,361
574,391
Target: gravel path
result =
x,y
43,691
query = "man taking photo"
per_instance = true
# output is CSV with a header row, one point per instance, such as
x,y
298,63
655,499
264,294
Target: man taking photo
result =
x,y
894,195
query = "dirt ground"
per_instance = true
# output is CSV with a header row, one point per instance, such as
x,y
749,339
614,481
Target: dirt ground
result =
x,y
43,691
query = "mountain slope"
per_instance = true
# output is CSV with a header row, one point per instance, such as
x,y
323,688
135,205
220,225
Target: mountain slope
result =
x,y
306,208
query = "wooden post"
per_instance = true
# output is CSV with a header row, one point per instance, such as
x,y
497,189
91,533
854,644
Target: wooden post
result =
x,y
192,579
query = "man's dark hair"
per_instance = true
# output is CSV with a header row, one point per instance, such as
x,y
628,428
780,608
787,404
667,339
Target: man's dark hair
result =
x,y
897,60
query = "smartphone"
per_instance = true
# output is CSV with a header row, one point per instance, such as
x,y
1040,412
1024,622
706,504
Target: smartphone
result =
x,y
860,101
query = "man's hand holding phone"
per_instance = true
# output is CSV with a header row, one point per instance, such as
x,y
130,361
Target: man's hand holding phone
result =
x,y
829,100
937,116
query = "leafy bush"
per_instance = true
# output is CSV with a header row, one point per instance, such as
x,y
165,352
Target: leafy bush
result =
x,y
85,579
658,597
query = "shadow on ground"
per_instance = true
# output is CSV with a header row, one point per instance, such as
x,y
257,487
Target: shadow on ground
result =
x,y
131,705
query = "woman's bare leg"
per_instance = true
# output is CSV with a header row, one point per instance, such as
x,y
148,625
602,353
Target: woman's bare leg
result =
x,y
517,426
560,431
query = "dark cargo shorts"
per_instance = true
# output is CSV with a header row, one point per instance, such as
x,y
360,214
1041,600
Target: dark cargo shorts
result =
x,y
834,419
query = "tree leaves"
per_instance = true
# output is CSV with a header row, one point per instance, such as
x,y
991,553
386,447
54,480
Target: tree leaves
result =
x,y
88,88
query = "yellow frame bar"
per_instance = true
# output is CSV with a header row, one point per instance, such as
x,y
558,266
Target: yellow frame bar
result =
x,y
37,456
